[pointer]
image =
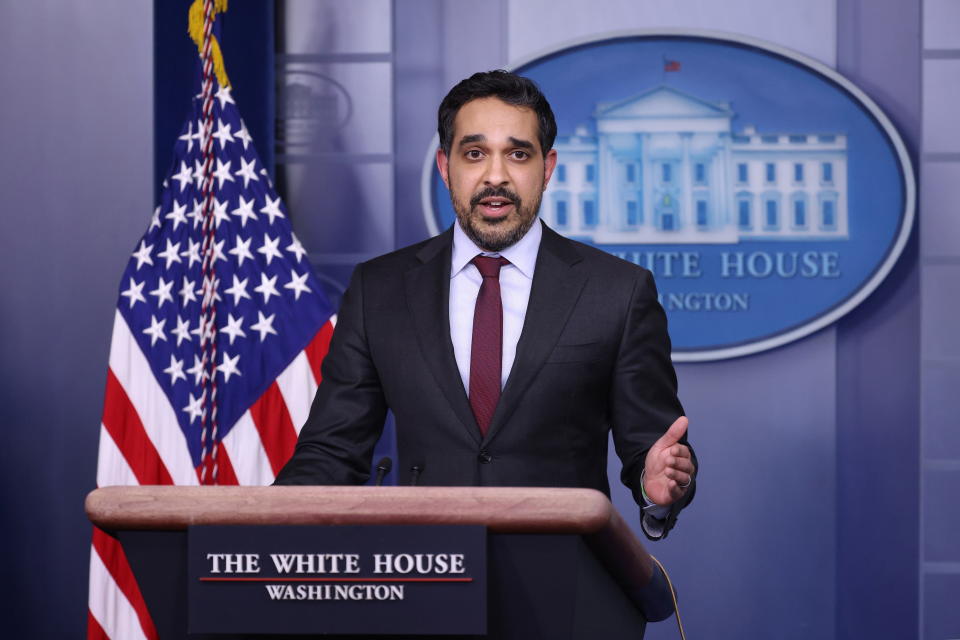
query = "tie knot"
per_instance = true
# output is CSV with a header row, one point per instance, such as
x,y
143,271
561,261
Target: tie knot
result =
x,y
489,267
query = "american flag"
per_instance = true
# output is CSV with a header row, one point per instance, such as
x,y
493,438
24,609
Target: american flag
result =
x,y
670,65
272,327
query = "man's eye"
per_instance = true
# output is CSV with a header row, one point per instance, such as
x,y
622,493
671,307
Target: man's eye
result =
x,y
519,155
474,154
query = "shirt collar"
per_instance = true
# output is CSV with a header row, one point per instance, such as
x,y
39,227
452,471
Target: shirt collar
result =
x,y
522,254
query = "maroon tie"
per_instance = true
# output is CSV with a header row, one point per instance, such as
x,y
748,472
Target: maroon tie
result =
x,y
486,350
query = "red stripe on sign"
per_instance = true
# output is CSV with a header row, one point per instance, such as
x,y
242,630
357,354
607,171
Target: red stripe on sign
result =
x,y
217,579
94,630
113,558
272,419
123,424
225,473
318,348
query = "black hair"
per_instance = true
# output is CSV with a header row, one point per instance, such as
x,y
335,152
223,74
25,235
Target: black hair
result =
x,y
508,87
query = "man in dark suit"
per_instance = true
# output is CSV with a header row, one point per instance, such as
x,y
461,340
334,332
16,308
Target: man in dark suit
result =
x,y
506,352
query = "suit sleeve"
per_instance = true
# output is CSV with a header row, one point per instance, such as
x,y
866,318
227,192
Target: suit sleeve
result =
x,y
643,394
336,443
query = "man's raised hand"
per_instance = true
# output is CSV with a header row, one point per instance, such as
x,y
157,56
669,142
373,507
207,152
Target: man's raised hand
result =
x,y
669,469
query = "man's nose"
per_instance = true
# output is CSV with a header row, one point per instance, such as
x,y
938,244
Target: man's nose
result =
x,y
497,174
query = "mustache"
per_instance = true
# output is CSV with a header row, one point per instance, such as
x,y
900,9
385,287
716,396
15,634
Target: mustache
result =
x,y
495,192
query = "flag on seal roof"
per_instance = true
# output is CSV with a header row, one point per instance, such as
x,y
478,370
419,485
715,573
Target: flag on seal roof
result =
x,y
218,335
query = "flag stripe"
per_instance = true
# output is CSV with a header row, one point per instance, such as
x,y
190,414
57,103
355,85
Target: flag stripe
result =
x,y
318,347
112,468
272,420
124,427
246,452
94,630
150,403
115,599
298,387
227,474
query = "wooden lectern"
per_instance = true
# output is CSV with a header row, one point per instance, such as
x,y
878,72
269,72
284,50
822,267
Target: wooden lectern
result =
x,y
561,563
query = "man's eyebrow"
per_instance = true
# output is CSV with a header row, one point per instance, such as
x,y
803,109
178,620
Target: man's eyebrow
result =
x,y
523,144
470,139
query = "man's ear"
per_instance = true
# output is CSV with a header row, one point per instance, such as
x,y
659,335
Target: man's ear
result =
x,y
443,164
549,164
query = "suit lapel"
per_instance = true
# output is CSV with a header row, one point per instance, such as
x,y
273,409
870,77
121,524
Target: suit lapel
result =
x,y
428,294
557,284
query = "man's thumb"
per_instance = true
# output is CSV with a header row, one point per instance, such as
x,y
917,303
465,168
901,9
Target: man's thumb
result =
x,y
675,432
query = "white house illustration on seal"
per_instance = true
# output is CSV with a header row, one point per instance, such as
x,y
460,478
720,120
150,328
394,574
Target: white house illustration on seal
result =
x,y
666,167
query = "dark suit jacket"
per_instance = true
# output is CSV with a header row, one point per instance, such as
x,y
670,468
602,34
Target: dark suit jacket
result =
x,y
593,355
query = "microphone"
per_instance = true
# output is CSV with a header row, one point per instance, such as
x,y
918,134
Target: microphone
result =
x,y
415,472
383,468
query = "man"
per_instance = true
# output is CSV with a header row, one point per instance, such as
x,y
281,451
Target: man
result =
x,y
509,369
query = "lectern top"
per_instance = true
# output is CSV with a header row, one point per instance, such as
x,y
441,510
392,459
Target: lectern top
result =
x,y
500,509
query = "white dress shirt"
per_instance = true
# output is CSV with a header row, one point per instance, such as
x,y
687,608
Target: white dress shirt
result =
x,y
516,279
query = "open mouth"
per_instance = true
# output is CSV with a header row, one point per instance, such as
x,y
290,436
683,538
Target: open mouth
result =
x,y
495,204
495,207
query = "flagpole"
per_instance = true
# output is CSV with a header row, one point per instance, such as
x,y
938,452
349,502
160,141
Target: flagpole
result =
x,y
208,310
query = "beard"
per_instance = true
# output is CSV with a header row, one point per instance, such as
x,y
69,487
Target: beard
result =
x,y
498,234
